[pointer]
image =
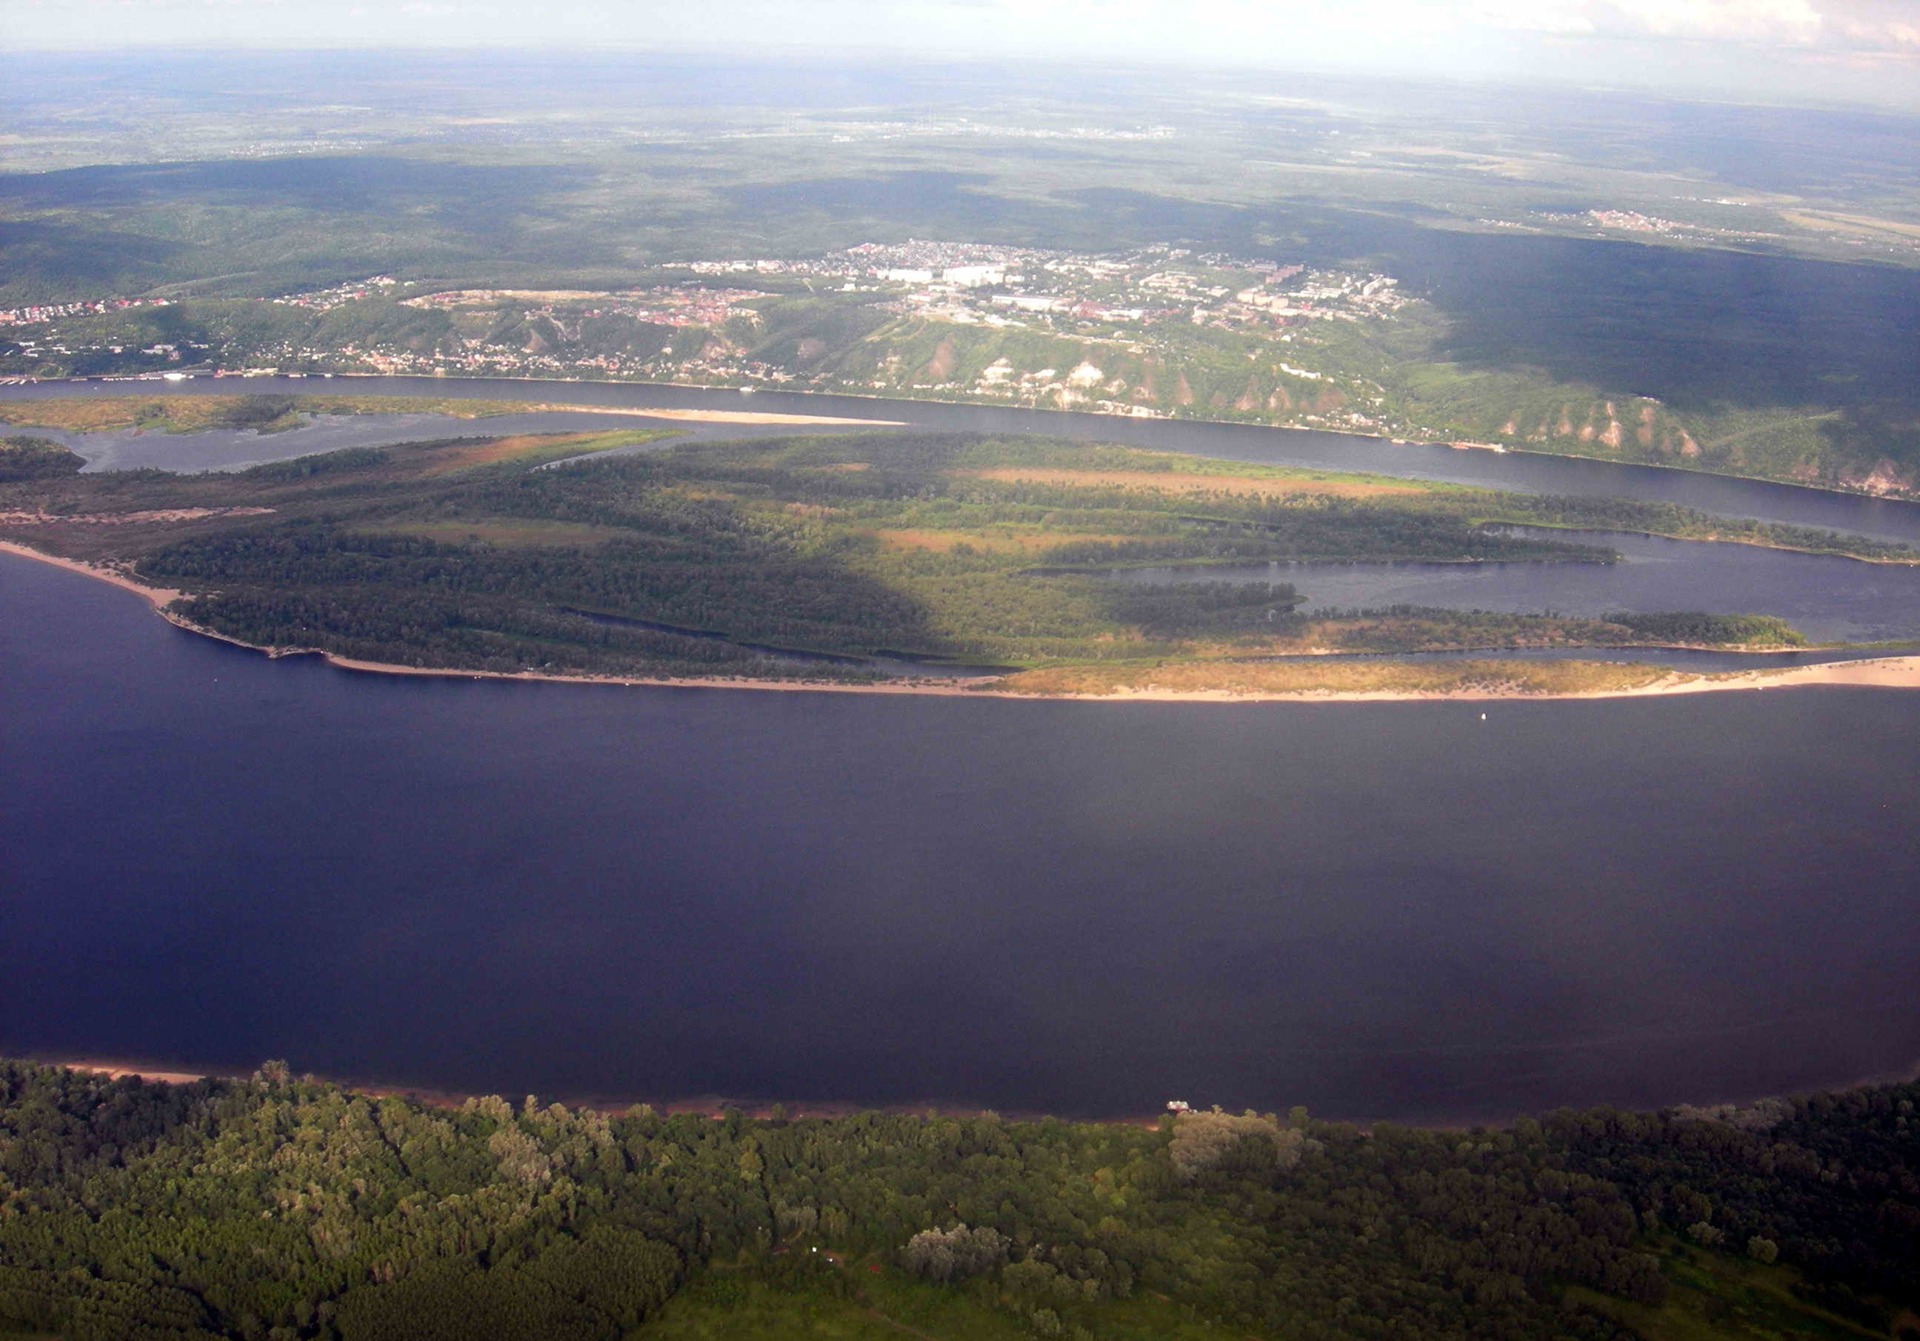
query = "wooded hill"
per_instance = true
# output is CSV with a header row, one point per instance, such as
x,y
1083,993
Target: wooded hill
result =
x,y
286,1208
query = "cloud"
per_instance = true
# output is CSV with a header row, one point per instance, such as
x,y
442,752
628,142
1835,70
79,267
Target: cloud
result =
x,y
1791,21
1767,48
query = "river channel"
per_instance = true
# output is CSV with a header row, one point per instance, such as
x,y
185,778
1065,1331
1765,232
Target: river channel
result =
x,y
1384,910
1407,911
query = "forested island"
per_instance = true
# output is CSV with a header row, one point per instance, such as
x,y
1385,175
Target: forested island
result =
x,y
287,1208
819,558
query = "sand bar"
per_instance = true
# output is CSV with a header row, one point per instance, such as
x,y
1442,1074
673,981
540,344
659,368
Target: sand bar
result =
x,y
725,416
118,1071
159,597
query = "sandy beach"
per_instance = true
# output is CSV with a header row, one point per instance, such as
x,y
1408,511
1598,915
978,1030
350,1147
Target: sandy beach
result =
x,y
1879,673
158,597
728,416
120,1070
1892,672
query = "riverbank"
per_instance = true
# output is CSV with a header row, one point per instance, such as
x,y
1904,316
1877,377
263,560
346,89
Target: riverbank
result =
x,y
706,1105
718,1106
749,417
158,597
1180,683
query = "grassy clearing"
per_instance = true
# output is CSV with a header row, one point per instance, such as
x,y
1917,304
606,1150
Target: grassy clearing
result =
x,y
991,541
717,1309
1238,484
1718,1297
533,448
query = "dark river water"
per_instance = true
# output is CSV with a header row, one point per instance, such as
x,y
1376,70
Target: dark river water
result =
x,y
1397,910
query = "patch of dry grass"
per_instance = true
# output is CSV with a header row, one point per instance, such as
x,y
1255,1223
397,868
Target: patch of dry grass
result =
x,y
992,542
1194,482
527,447
1252,679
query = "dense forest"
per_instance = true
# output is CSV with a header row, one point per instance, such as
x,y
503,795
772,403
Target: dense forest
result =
x,y
283,1207
812,556
29,458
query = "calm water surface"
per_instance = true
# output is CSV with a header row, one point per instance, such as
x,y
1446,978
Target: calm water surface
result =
x,y
209,858
1825,597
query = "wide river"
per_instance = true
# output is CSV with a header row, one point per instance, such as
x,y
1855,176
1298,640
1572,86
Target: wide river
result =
x,y
1389,910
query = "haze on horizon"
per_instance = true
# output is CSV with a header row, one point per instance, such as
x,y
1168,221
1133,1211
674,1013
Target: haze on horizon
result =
x,y
1779,51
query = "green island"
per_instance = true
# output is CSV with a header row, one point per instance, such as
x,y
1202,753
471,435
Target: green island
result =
x,y
806,558
291,1209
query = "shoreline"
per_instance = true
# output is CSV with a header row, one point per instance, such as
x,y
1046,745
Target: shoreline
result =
x,y
220,375
771,418
707,1105
1890,672
158,597
717,1106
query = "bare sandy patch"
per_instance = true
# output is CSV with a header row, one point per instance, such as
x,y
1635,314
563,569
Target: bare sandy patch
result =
x,y
940,367
158,597
997,542
120,1071
1626,682
159,515
726,416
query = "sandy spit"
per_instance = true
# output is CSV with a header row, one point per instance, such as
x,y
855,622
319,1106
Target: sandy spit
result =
x,y
158,597
1895,672
727,416
1883,673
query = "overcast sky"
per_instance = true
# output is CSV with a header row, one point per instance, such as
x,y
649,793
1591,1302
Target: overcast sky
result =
x,y
1823,50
